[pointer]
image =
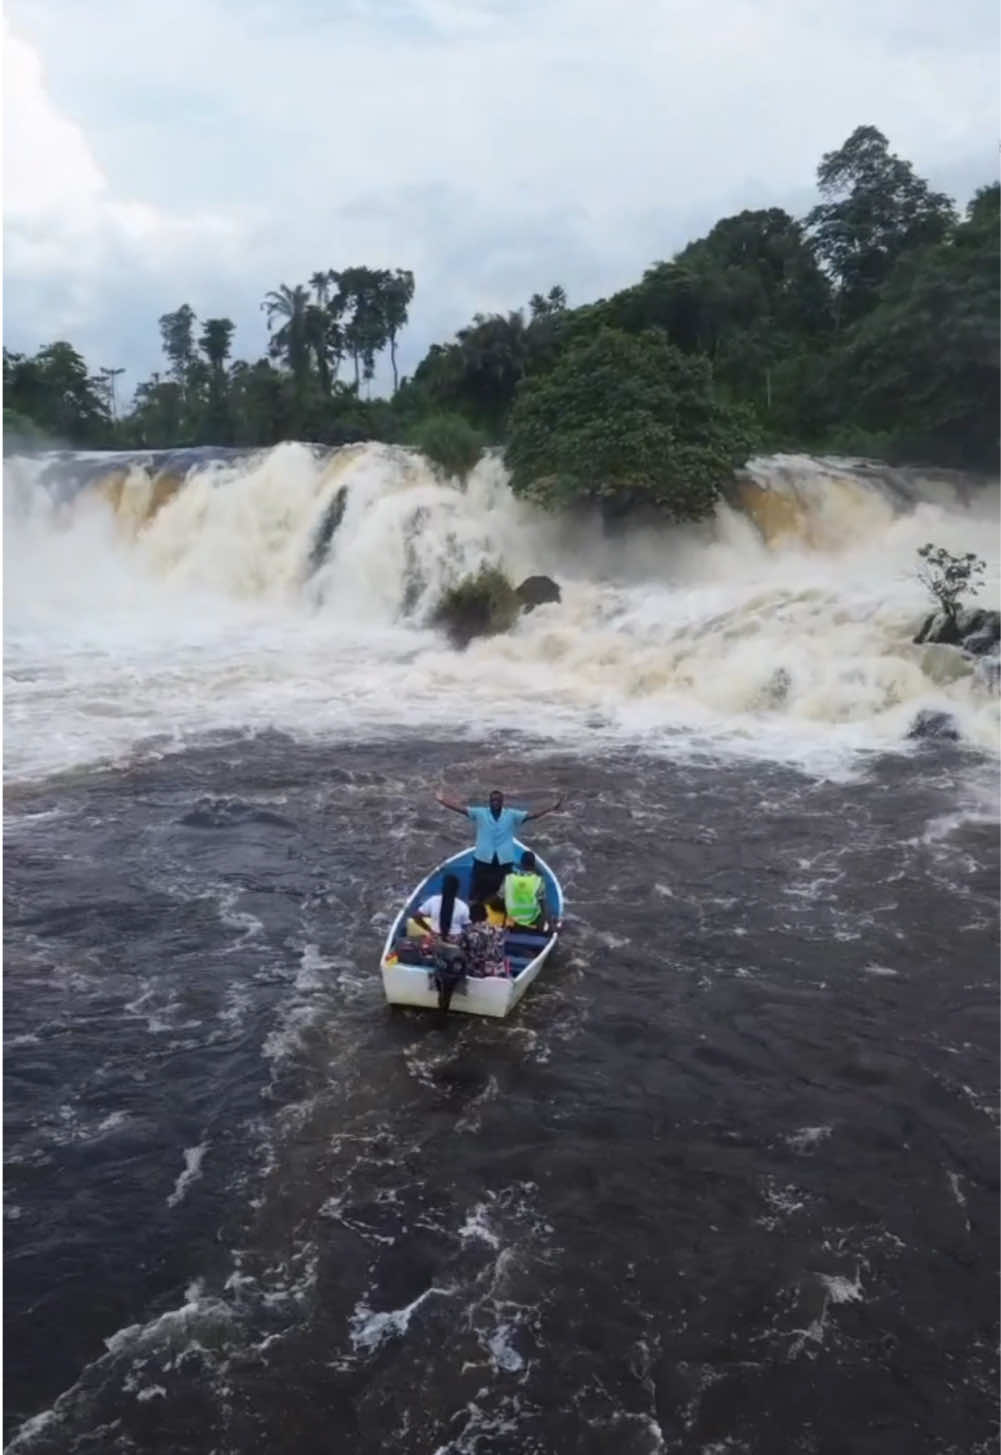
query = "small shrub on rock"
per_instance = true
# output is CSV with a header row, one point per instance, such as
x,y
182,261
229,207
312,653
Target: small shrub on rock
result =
x,y
480,605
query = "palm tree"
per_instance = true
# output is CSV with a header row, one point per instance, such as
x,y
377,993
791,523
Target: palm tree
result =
x,y
320,284
291,340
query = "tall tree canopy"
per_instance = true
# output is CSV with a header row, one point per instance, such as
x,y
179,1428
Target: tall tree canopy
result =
x,y
875,209
55,391
924,364
626,420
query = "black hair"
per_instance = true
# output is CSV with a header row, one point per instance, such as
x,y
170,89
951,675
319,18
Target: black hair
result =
x,y
477,912
496,903
449,890
528,860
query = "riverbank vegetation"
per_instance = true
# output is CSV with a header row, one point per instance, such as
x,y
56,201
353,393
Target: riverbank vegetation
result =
x,y
869,326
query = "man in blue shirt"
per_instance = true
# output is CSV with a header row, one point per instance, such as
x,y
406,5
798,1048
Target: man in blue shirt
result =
x,y
494,854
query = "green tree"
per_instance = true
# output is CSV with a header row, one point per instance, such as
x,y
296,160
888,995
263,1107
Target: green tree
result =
x,y
177,330
366,328
625,420
749,295
54,389
157,417
289,341
555,302
925,364
397,290
477,374
324,335
546,331
949,578
262,403
875,209
448,441
215,343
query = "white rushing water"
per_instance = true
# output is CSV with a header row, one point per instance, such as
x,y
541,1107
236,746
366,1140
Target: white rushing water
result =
x,y
158,608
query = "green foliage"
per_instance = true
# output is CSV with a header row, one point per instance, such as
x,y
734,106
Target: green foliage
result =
x,y
924,364
949,578
626,420
875,210
289,340
477,606
20,433
869,327
854,439
448,441
478,374
55,390
177,331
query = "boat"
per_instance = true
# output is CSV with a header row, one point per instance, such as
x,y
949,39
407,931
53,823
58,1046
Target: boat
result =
x,y
526,950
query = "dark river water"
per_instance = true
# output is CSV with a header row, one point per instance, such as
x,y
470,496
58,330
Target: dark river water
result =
x,y
726,1182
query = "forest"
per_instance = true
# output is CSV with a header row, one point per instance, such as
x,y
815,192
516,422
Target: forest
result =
x,y
870,326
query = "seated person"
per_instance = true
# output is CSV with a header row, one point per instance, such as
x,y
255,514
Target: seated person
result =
x,y
496,913
482,944
442,914
525,896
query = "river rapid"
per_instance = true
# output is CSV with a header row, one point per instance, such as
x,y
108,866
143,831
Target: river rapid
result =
x,y
725,1182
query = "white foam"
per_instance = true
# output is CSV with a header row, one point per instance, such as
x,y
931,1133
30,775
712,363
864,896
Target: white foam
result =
x,y
842,1289
957,1190
503,1353
806,1138
784,1201
311,967
209,616
168,1326
113,1122
477,1225
193,1157
369,1330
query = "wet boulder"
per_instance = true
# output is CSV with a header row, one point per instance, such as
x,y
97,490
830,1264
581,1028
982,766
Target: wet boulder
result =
x,y
976,624
983,637
537,591
938,726
941,628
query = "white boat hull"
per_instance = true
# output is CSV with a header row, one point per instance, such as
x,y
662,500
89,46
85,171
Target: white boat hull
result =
x,y
489,996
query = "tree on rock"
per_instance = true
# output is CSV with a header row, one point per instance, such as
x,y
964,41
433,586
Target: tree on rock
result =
x,y
624,420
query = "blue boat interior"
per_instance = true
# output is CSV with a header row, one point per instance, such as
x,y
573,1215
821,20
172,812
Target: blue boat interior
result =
x,y
521,946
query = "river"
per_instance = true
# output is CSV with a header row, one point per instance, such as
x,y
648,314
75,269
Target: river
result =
x,y
725,1182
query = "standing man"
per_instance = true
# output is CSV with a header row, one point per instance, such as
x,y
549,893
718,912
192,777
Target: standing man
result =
x,y
494,853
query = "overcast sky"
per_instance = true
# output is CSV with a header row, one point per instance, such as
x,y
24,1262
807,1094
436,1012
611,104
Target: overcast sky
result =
x,y
204,151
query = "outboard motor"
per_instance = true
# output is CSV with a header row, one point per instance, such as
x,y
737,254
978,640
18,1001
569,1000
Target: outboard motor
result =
x,y
448,973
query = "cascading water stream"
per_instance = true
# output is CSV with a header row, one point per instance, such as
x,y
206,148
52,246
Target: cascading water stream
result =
x,y
292,588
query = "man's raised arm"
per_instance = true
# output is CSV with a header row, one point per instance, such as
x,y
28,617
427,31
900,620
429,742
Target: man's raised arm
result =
x,y
451,803
543,811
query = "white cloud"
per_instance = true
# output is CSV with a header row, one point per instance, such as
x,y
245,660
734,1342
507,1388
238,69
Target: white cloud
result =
x,y
217,147
69,242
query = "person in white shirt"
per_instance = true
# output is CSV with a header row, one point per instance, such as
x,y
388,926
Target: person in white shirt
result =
x,y
443,914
